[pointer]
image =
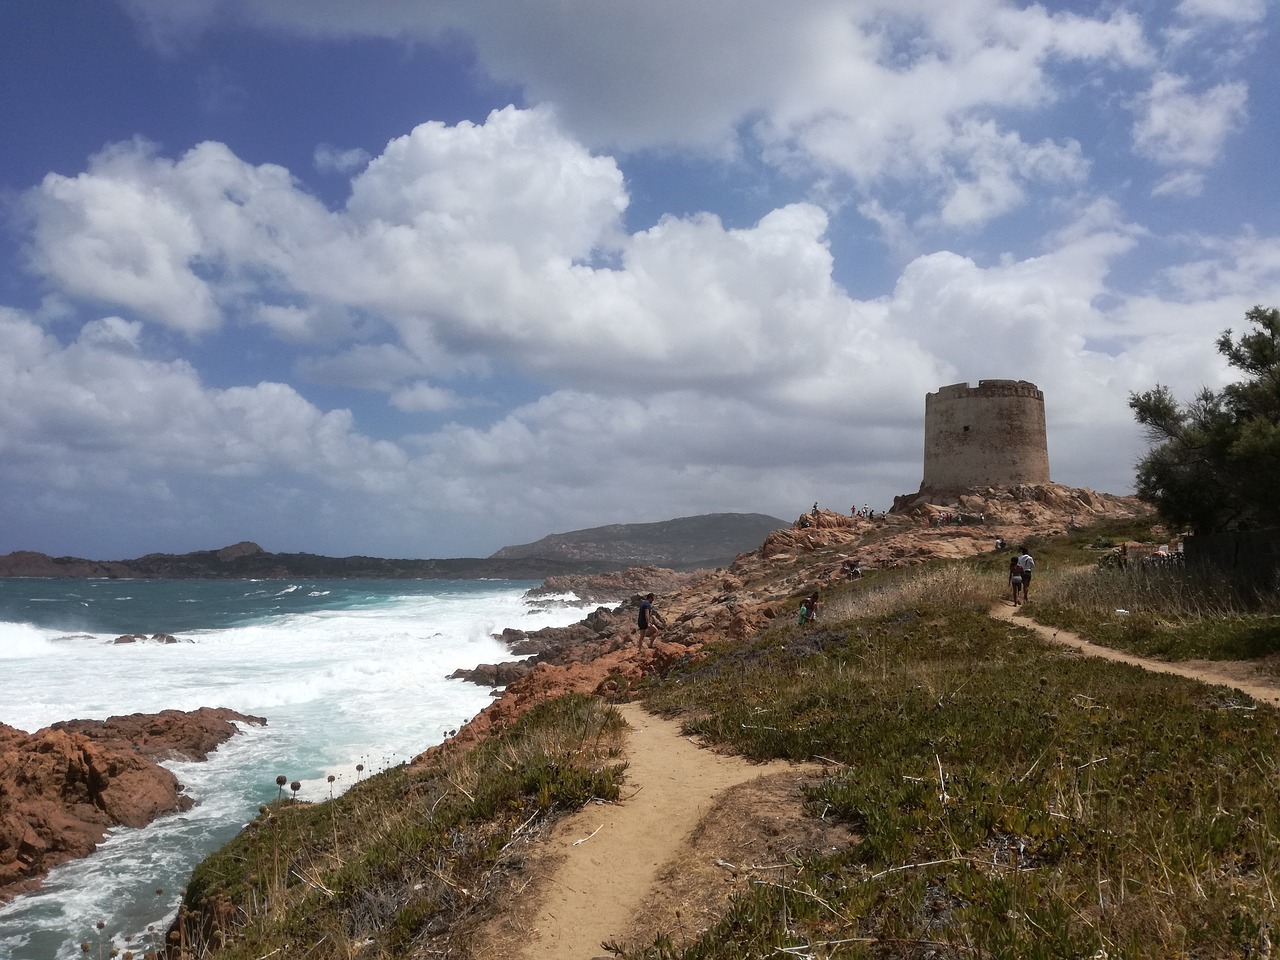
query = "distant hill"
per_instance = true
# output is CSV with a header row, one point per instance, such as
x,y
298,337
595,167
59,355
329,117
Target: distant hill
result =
x,y
248,561
709,540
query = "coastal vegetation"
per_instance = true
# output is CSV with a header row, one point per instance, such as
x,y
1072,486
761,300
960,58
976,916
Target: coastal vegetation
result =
x,y
1013,799
1168,612
413,853
1008,798
1213,462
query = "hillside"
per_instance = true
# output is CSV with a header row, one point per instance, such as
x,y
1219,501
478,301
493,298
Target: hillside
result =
x,y
248,561
686,543
898,702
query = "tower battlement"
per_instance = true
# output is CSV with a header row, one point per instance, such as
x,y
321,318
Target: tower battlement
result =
x,y
989,388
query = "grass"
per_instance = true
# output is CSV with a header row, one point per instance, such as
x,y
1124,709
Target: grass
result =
x,y
1163,611
405,861
956,585
1012,801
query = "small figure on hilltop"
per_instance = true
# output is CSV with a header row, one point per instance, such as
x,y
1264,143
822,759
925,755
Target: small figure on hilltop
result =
x,y
852,568
815,508
1000,544
809,609
1027,564
1015,579
648,621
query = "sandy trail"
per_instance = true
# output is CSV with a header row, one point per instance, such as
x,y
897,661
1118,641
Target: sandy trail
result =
x,y
1241,676
671,784
613,872
655,862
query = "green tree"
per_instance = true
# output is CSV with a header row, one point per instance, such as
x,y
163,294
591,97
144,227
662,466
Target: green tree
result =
x,y
1214,464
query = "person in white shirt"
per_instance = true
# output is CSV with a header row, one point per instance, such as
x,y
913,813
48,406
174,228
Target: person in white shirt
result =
x,y
1027,564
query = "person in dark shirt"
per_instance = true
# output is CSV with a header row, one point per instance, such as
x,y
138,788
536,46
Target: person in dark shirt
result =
x,y
648,621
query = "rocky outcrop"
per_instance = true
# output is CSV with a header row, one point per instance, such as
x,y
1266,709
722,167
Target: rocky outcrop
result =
x,y
1033,505
63,787
167,735
143,638
493,674
607,587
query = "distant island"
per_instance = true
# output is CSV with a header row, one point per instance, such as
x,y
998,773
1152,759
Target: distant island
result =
x,y
687,543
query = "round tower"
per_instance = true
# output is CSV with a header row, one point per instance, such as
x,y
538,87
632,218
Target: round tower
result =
x,y
985,436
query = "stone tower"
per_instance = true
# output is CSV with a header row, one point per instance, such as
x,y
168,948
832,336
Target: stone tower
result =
x,y
984,436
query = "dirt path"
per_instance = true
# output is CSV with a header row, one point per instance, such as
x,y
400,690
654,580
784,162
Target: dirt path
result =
x,y
1240,675
695,826
692,827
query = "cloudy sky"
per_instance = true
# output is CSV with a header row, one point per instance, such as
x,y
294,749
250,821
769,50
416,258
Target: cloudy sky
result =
x,y
424,279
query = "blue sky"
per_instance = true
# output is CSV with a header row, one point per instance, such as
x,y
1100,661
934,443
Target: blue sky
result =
x,y
408,279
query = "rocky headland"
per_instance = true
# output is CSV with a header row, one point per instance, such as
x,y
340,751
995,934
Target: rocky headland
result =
x,y
248,561
686,543
599,654
64,786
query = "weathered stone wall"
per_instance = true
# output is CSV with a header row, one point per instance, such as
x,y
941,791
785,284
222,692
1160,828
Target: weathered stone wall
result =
x,y
989,435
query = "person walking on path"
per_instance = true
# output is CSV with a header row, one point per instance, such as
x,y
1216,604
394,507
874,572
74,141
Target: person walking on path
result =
x,y
1027,564
1015,579
648,621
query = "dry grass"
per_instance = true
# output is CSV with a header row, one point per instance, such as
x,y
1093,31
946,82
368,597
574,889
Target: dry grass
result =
x,y
407,861
1163,611
952,585
1169,591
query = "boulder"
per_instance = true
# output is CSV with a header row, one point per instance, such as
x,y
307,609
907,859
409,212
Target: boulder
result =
x,y
493,674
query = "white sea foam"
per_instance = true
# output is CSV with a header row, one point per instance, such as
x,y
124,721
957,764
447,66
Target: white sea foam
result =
x,y
20,641
364,683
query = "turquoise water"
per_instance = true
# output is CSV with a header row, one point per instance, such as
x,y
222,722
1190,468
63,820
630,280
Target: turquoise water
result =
x,y
346,673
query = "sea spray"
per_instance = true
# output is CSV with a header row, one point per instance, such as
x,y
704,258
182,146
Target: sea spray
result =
x,y
347,673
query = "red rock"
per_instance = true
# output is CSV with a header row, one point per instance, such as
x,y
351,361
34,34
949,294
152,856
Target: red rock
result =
x,y
62,788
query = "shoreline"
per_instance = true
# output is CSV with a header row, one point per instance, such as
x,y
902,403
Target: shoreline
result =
x,y
66,785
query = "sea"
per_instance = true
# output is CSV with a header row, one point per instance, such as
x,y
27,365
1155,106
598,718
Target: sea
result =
x,y
347,673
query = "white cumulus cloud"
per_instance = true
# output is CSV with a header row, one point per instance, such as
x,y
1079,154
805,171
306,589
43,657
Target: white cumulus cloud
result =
x,y
1178,126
